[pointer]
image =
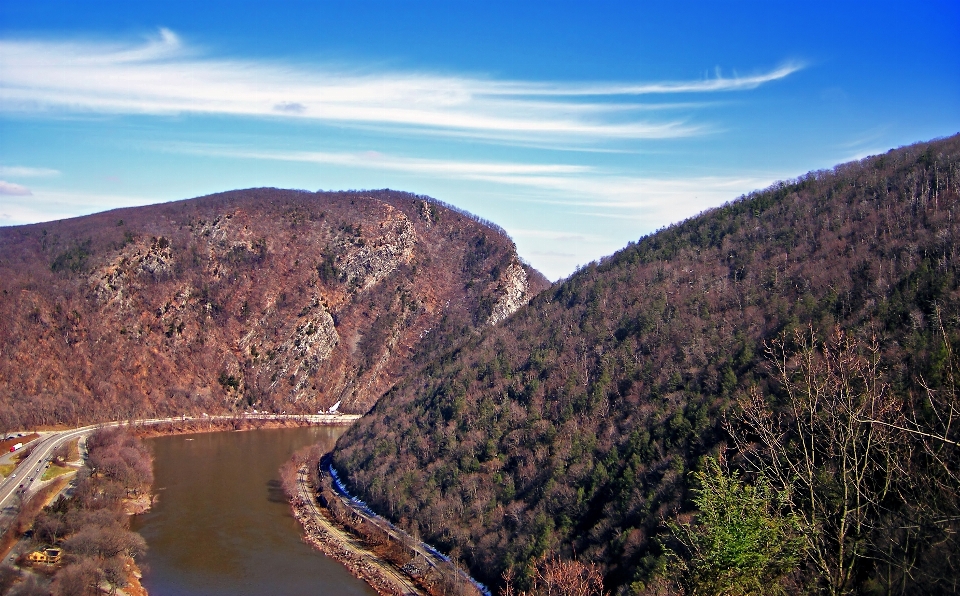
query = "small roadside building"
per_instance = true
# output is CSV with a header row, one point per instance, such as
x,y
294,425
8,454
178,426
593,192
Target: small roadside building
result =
x,y
47,556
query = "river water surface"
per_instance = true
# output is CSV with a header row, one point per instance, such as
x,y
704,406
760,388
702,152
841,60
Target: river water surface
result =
x,y
222,526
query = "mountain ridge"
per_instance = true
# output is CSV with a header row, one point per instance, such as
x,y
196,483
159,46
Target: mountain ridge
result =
x,y
260,298
573,429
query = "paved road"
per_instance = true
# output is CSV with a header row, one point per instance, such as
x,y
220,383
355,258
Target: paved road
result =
x,y
28,473
30,470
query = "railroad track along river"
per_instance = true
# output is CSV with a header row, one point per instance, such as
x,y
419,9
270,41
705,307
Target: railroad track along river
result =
x,y
382,575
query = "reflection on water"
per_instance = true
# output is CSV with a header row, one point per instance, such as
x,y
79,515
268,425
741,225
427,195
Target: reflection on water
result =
x,y
222,524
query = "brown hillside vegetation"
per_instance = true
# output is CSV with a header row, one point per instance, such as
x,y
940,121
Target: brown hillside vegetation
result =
x,y
575,428
261,299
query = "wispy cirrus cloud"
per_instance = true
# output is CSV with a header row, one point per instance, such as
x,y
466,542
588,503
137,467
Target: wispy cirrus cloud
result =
x,y
377,160
14,190
26,172
707,85
604,192
166,76
44,204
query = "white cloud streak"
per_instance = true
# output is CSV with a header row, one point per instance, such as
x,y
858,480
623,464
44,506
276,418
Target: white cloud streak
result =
x,y
719,83
382,161
164,76
15,190
25,172
50,204
606,193
16,214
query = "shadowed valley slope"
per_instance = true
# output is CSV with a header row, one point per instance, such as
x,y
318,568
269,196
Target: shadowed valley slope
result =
x,y
573,428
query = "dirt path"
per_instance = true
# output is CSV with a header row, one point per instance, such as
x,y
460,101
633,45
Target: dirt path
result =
x,y
344,547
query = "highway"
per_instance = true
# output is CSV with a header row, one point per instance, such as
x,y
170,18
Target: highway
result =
x,y
30,470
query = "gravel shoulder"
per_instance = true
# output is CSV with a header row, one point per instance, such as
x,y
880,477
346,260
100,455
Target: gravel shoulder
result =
x,y
346,548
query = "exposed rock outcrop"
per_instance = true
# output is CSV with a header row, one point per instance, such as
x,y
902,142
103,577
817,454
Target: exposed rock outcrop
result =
x,y
368,262
266,299
513,292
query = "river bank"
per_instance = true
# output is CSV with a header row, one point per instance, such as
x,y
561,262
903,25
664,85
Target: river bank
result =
x,y
322,533
222,525
196,426
83,538
140,506
213,424
387,558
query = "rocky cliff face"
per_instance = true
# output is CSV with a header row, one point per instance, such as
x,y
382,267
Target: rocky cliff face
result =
x,y
512,289
257,299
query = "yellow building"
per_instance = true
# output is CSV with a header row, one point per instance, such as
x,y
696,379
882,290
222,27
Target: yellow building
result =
x,y
49,556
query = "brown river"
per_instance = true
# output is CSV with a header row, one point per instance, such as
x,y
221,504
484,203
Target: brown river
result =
x,y
222,526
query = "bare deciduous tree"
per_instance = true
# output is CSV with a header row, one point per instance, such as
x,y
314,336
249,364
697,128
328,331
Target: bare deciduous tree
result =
x,y
828,445
114,573
553,576
32,585
77,579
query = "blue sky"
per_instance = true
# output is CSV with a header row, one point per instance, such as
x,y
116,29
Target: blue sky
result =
x,y
577,127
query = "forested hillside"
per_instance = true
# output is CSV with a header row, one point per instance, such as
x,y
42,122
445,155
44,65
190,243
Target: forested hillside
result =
x,y
256,299
574,427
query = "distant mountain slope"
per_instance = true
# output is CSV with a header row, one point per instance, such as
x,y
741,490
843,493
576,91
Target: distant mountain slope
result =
x,y
573,427
261,298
